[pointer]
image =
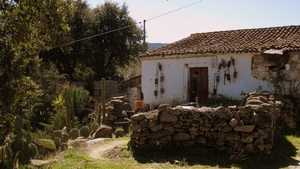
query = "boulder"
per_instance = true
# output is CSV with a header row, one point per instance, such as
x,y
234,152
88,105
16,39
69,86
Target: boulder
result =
x,y
103,131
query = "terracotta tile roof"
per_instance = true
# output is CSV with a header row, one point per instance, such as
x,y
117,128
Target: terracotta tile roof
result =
x,y
286,38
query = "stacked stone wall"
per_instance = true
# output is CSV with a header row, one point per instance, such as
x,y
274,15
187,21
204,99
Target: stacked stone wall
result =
x,y
233,129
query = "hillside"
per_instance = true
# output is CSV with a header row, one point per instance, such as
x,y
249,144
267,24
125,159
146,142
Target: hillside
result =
x,y
153,46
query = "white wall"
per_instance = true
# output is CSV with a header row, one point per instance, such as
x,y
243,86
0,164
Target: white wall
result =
x,y
176,73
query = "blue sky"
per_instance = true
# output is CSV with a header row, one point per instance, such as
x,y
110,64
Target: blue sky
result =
x,y
207,16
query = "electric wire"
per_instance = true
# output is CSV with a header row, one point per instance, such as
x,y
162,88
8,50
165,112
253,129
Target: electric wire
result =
x,y
114,30
158,16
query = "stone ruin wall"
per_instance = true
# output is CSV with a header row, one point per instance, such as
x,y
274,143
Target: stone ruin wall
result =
x,y
289,66
233,129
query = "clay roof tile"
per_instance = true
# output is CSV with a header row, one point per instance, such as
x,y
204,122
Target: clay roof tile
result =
x,y
243,40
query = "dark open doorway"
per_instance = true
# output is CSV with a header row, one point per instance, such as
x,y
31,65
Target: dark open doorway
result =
x,y
202,83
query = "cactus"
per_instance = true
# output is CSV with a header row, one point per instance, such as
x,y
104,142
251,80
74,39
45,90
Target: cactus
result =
x,y
17,146
57,142
57,133
84,131
3,154
64,146
33,151
28,127
75,99
99,114
94,126
28,138
22,158
68,109
26,147
19,150
74,134
18,124
65,138
103,101
24,155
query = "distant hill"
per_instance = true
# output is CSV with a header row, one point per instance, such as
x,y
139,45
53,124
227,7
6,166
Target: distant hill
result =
x,y
153,46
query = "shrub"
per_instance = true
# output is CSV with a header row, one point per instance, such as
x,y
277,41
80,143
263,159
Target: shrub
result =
x,y
221,100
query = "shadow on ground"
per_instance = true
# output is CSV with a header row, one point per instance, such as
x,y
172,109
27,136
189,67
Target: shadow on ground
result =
x,y
282,156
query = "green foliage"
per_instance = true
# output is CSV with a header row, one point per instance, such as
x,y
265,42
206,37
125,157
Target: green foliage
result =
x,y
104,54
38,134
46,143
59,118
127,44
76,99
74,134
221,100
79,98
29,28
68,106
84,131
52,84
89,83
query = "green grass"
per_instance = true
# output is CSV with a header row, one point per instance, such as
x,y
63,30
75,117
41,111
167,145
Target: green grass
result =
x,y
282,156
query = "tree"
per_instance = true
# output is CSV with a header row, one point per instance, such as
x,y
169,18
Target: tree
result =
x,y
26,28
104,38
68,60
115,49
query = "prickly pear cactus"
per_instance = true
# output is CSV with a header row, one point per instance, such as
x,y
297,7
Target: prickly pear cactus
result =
x,y
33,150
57,133
24,155
65,138
84,131
17,145
94,126
74,134
19,123
57,142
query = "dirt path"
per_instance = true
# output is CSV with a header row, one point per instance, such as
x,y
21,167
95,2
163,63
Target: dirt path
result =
x,y
97,151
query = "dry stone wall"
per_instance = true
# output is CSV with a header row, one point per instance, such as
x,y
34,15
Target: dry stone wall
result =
x,y
117,109
234,128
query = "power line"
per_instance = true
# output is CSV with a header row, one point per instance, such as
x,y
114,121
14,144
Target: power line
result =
x,y
114,30
158,16
90,37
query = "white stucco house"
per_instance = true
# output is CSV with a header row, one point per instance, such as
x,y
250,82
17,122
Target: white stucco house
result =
x,y
229,63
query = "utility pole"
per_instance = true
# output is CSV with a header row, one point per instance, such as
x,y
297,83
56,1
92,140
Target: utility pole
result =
x,y
144,31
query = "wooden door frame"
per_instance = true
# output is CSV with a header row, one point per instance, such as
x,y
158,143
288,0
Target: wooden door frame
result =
x,y
202,79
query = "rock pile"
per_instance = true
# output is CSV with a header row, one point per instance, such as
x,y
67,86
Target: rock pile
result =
x,y
234,129
118,111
